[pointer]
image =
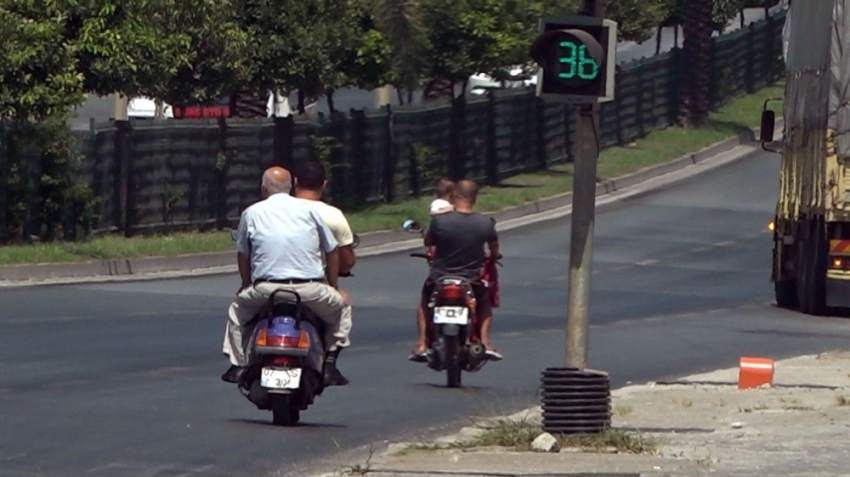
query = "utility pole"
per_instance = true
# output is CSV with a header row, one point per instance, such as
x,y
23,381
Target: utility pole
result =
x,y
583,217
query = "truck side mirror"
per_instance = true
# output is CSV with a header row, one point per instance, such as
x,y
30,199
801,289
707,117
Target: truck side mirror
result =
x,y
768,123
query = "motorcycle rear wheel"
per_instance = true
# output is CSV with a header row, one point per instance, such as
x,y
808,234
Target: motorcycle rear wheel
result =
x,y
453,370
285,412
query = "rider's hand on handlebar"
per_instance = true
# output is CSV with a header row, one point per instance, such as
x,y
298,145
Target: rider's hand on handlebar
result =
x,y
345,298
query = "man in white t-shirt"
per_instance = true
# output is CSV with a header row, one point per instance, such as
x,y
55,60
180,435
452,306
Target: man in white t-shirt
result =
x,y
310,183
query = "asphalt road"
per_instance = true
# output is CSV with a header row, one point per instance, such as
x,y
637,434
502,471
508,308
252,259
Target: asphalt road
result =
x,y
122,379
345,99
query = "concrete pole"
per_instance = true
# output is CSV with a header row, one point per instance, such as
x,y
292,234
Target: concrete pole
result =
x,y
383,96
119,107
583,217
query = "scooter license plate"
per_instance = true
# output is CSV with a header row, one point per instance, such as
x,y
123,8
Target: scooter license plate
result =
x,y
451,315
280,378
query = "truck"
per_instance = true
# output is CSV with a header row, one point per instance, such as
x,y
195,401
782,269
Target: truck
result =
x,y
811,225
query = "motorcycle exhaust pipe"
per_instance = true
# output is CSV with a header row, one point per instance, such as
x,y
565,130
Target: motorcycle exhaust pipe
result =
x,y
475,357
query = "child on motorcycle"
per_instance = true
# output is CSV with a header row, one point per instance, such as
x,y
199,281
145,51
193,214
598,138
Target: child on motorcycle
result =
x,y
445,196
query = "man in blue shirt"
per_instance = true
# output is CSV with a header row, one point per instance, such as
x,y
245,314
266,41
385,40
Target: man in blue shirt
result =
x,y
280,241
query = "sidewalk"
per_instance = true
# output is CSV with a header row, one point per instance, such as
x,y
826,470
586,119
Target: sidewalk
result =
x,y
698,426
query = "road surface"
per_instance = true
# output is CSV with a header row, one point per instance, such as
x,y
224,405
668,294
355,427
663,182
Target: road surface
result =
x,y
120,380
101,109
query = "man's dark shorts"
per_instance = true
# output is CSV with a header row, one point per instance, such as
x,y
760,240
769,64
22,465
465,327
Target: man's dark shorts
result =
x,y
482,297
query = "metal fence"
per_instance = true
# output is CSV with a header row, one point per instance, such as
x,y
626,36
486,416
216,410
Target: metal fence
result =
x,y
202,173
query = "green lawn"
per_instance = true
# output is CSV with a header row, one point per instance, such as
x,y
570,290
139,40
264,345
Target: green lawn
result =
x,y
658,147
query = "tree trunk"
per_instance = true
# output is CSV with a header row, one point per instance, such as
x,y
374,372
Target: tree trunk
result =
x,y
330,95
658,40
695,99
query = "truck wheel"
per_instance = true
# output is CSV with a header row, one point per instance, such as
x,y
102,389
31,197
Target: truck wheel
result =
x,y
811,278
785,289
786,294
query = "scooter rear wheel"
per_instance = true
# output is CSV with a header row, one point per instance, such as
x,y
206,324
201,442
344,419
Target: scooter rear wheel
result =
x,y
285,412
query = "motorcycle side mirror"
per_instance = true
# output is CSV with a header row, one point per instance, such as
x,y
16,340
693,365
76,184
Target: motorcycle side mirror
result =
x,y
411,226
768,124
233,234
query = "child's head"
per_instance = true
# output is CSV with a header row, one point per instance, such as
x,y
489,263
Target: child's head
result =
x,y
445,189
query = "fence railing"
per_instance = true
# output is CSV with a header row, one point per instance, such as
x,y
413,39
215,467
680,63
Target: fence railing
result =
x,y
203,173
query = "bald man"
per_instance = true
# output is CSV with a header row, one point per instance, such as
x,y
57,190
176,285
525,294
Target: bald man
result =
x,y
280,243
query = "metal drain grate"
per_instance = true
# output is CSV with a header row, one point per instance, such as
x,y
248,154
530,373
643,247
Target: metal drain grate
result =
x,y
576,401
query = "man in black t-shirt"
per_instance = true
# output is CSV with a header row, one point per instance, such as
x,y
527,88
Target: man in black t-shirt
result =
x,y
458,238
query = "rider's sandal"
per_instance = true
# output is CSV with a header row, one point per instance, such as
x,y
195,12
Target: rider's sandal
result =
x,y
419,357
494,355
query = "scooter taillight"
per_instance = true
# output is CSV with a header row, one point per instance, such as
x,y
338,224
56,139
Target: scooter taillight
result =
x,y
281,341
453,293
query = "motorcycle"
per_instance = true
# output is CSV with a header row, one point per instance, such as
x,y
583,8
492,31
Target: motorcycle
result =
x,y
286,357
453,331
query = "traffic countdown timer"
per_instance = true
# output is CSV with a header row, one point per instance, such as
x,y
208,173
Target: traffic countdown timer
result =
x,y
576,56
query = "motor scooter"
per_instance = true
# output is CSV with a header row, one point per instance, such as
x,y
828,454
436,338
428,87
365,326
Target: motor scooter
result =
x,y
453,333
286,356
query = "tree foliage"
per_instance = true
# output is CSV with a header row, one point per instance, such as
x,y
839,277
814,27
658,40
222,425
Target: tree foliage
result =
x,y
465,37
206,48
636,18
39,77
198,51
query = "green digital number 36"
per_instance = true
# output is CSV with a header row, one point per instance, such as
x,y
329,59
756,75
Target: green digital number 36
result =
x,y
576,62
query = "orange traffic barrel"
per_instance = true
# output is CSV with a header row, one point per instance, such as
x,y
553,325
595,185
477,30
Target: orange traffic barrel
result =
x,y
755,372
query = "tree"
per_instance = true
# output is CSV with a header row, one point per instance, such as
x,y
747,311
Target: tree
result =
x,y
38,70
39,84
400,24
206,54
370,59
695,102
287,45
721,12
180,51
636,18
465,37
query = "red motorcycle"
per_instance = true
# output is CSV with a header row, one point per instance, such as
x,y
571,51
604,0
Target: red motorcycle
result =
x,y
453,330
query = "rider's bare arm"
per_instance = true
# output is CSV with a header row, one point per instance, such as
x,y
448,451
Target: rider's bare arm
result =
x,y
332,269
243,249
430,233
494,248
346,259
493,240
244,263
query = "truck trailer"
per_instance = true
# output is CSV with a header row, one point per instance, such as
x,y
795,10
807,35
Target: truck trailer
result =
x,y
811,226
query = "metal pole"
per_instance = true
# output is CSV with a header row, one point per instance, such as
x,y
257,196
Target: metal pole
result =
x,y
583,216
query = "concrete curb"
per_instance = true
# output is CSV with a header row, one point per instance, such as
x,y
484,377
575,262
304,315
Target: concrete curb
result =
x,y
374,243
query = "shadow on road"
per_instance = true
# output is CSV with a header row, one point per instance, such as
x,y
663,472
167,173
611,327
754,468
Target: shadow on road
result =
x,y
302,424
